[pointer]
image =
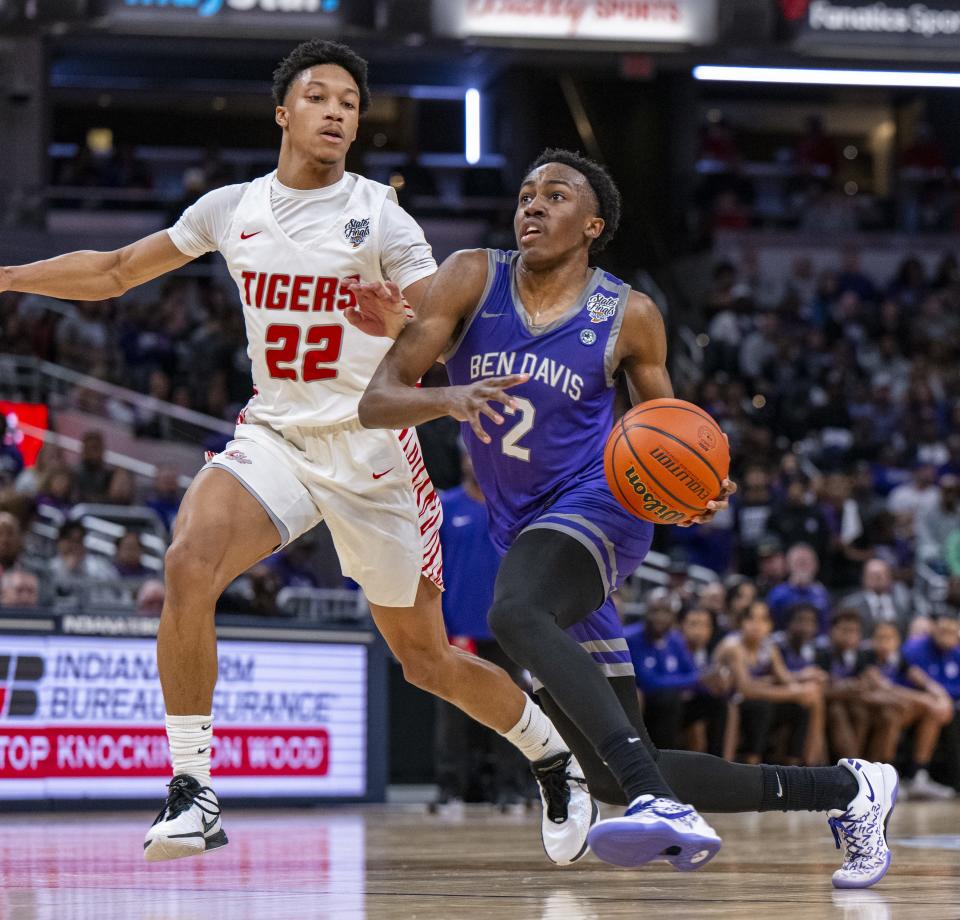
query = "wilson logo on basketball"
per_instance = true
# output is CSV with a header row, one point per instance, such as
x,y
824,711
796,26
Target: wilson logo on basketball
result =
x,y
706,438
651,504
681,472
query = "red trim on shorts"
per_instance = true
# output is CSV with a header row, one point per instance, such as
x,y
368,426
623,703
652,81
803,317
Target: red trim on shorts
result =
x,y
428,507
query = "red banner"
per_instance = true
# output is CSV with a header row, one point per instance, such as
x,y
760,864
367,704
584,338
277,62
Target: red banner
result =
x,y
18,413
75,751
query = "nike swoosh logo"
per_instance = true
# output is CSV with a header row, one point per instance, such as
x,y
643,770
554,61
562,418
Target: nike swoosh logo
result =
x,y
203,728
246,236
486,315
872,797
208,825
203,750
381,475
779,788
632,740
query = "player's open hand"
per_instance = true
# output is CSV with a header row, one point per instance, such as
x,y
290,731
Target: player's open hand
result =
x,y
381,309
468,403
720,503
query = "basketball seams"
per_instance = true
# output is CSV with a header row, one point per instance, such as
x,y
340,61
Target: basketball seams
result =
x,y
699,413
613,458
689,447
656,479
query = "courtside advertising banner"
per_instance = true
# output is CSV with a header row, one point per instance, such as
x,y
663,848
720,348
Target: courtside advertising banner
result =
x,y
82,717
676,21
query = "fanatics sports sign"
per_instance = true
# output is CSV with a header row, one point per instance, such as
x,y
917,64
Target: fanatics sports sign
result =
x,y
624,21
893,22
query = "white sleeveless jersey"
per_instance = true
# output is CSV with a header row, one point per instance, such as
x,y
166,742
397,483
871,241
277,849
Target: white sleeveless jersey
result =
x,y
310,366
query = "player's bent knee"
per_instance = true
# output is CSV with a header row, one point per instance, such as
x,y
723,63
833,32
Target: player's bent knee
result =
x,y
189,567
511,625
423,670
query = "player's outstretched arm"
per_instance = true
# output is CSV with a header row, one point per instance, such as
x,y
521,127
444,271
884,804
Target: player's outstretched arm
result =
x,y
393,399
641,353
91,275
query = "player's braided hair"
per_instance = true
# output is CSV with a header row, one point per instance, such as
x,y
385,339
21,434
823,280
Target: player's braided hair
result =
x,y
316,52
604,189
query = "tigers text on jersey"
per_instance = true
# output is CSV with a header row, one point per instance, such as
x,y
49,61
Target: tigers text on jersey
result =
x,y
565,411
310,366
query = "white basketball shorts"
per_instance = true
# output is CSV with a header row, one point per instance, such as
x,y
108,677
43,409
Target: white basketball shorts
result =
x,y
370,486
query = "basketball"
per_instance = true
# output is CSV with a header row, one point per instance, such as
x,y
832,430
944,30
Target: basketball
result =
x,y
665,460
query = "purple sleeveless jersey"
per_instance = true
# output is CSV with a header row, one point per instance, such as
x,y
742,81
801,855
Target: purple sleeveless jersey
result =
x,y
544,466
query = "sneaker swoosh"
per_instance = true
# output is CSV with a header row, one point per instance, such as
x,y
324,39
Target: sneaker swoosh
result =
x,y
204,728
486,315
203,750
872,797
246,236
779,788
381,475
209,825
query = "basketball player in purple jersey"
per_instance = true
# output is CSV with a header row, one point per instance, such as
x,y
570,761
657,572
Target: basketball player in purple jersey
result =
x,y
554,332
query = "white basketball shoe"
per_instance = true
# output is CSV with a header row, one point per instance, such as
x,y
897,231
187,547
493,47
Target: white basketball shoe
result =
x,y
188,824
861,829
656,828
568,810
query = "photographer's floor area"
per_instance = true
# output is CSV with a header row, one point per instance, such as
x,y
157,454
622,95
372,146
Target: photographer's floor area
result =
x,y
386,862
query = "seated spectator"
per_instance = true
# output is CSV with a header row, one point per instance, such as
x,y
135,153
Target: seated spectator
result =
x,y
935,525
664,668
771,565
881,600
705,712
768,696
122,489
11,541
797,519
938,656
49,458
19,588
128,558
150,598
166,496
801,587
923,704
11,460
741,593
713,599
56,490
91,476
797,643
916,497
753,507
855,724
73,563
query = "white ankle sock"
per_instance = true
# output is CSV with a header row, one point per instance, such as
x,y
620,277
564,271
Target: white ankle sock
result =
x,y
190,739
534,735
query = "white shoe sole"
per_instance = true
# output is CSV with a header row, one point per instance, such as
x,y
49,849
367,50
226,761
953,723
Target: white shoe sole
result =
x,y
161,849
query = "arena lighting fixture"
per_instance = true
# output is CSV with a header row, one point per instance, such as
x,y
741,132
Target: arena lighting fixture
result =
x,y
827,77
471,102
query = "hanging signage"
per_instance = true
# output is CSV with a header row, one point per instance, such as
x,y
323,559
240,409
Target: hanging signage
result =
x,y
675,21
893,22
82,717
267,18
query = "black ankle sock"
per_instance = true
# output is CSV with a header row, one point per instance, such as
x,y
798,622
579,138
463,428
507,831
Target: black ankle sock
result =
x,y
633,766
807,788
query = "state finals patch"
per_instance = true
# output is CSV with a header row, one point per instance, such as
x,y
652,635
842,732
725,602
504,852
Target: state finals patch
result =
x,y
601,306
357,231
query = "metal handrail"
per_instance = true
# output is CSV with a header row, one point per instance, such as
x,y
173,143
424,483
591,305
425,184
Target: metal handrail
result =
x,y
141,400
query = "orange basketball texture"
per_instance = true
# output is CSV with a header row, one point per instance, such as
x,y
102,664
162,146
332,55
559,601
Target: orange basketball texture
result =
x,y
665,459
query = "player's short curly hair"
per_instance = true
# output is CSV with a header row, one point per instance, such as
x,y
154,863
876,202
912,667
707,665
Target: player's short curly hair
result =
x,y
312,54
604,188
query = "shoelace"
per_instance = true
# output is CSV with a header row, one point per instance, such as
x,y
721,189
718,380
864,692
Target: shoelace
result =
x,y
183,794
663,808
850,836
557,793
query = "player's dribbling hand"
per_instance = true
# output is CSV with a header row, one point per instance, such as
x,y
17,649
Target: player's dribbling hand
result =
x,y
380,311
720,503
468,403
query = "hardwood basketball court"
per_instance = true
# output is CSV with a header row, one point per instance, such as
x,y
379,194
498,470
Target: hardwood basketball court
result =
x,y
361,863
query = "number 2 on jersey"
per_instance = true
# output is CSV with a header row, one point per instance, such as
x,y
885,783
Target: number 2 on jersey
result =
x,y
287,337
527,414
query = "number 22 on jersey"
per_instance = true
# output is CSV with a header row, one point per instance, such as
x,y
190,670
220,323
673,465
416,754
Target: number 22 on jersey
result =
x,y
315,364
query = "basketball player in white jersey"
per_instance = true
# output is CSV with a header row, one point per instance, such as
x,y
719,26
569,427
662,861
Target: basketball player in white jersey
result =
x,y
299,456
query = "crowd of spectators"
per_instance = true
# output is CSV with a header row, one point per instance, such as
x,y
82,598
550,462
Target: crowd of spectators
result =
x,y
818,183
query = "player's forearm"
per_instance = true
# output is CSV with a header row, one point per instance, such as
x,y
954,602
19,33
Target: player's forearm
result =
x,y
84,275
391,403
